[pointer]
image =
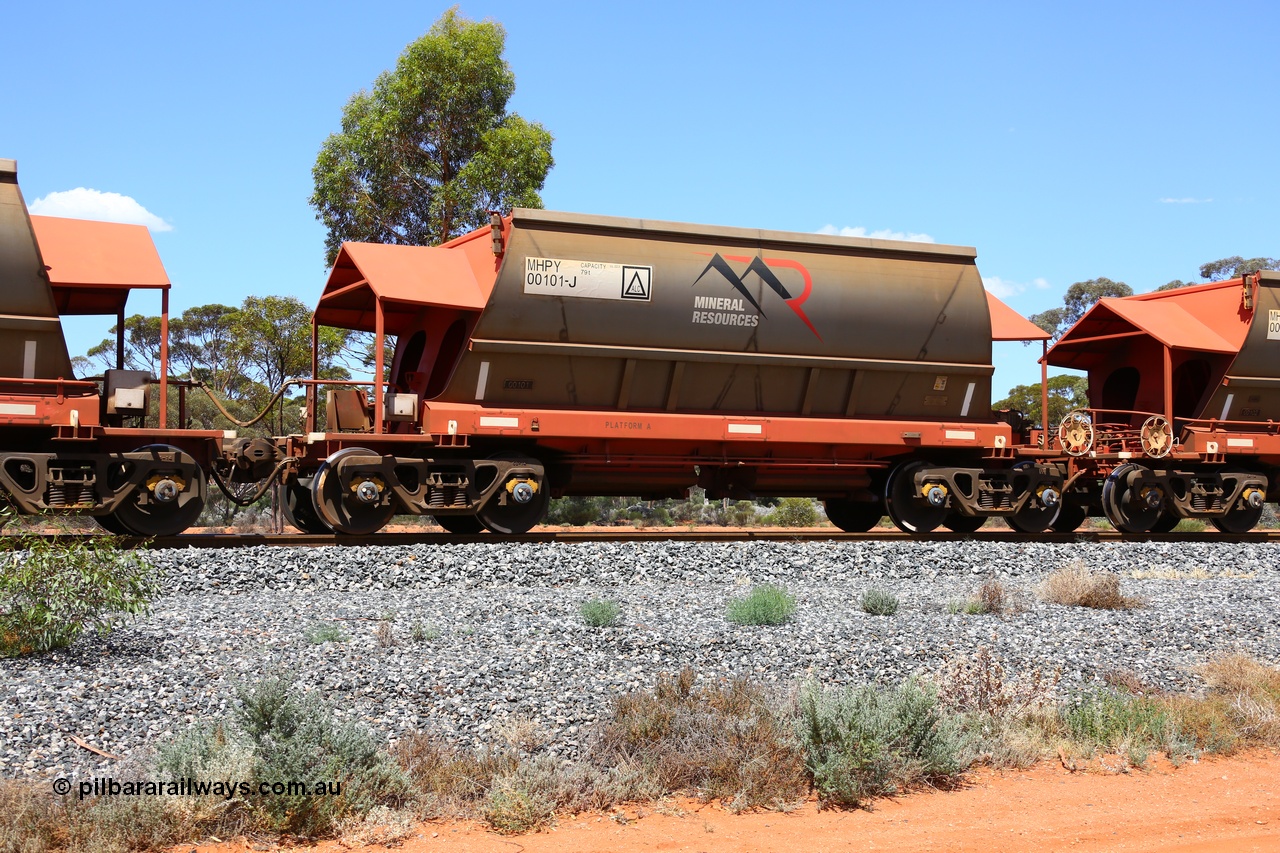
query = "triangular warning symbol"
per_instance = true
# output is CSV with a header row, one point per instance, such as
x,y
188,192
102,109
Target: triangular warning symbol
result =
x,y
637,286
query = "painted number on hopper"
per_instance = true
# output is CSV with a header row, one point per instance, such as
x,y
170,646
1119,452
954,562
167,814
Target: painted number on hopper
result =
x,y
587,279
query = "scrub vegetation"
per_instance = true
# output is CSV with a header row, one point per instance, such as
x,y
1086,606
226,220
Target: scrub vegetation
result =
x,y
736,742
53,592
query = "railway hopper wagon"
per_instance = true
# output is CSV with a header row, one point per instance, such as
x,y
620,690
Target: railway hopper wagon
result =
x,y
1185,418
83,445
560,354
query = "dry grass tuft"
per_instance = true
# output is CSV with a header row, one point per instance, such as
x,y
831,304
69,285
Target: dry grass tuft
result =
x,y
993,598
1129,682
1250,692
1238,673
1077,586
724,741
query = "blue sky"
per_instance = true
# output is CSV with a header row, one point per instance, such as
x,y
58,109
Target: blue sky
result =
x,y
1069,141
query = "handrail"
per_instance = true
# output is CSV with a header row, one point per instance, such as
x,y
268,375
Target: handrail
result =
x,y
59,382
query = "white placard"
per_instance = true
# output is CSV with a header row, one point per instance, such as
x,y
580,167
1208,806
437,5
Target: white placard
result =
x,y
1273,325
587,279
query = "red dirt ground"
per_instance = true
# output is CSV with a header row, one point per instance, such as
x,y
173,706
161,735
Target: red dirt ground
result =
x,y
1215,806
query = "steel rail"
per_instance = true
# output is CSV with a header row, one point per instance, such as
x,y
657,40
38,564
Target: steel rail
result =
x,y
311,540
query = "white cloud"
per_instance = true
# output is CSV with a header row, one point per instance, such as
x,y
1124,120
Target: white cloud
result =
x,y
1006,289
1001,288
82,203
881,234
1185,200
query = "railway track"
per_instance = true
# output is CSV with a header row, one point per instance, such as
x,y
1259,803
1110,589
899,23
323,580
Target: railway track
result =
x,y
311,540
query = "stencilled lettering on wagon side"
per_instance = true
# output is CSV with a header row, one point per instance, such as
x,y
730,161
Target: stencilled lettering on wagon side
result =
x,y
588,279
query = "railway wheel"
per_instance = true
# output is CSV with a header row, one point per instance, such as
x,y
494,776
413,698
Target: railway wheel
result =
x,y
912,510
1166,522
300,510
520,502
111,524
460,524
169,501
1038,514
853,516
959,523
359,510
1069,518
1247,512
1131,509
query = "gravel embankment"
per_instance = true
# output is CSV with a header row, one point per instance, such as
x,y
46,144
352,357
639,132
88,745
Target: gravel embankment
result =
x,y
503,639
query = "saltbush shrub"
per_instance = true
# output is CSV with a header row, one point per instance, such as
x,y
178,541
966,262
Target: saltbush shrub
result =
x,y
277,736
599,613
866,742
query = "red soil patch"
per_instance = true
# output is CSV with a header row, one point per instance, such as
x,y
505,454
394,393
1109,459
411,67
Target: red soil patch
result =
x,y
1210,807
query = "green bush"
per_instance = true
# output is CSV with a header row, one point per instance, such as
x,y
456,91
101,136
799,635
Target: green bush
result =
x,y
741,514
320,633
277,737
865,742
51,592
765,605
577,511
794,512
878,602
1120,722
599,613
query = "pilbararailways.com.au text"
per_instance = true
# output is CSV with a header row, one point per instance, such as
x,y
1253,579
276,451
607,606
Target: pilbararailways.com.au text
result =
x,y
228,789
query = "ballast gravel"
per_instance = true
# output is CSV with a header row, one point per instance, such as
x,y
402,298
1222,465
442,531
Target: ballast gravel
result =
x,y
486,635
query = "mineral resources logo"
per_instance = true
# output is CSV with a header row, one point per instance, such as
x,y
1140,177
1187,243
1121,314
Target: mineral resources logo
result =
x,y
722,311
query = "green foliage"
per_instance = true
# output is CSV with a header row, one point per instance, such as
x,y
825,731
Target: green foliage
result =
x,y
1066,394
879,602
51,592
243,355
866,742
272,337
578,511
431,149
1134,726
599,613
794,512
512,808
275,736
1236,266
965,607
141,348
324,633
424,633
767,604
741,514
1079,298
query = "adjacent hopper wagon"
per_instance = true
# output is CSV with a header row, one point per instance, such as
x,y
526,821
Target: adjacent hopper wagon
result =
x,y
1186,416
